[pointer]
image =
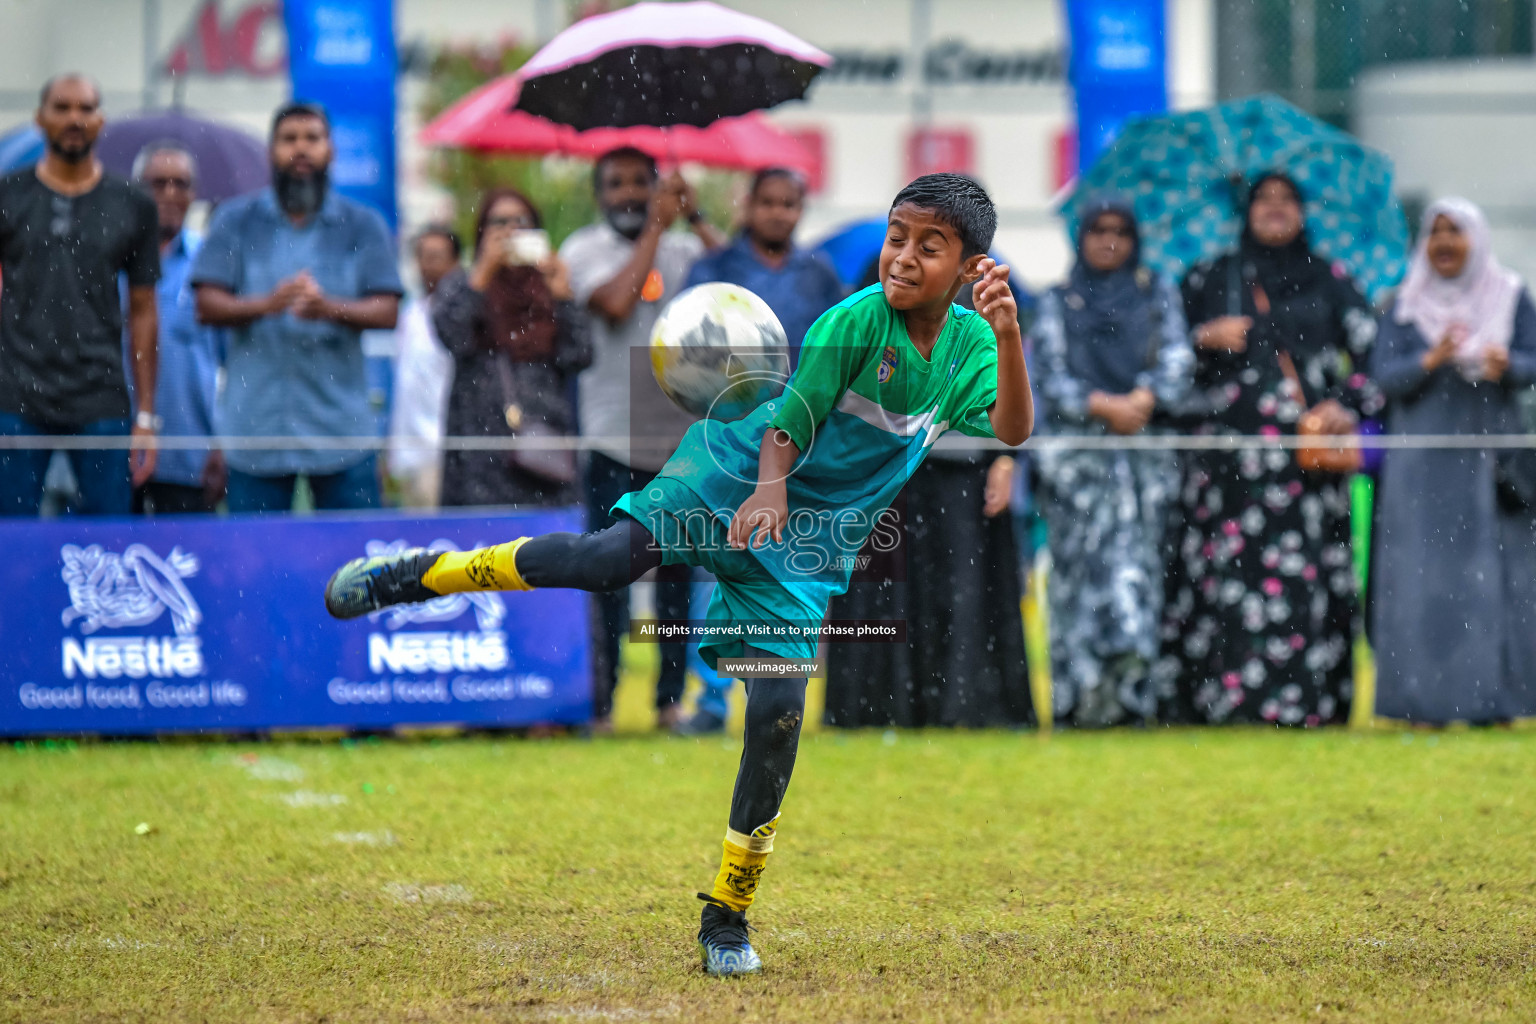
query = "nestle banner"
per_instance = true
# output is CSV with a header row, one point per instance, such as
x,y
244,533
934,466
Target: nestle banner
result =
x,y
135,626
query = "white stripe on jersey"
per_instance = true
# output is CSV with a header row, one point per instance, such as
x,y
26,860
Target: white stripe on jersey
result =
x,y
899,423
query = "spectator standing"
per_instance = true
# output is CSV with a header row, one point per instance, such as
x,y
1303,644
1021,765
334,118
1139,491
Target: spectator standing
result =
x,y
1110,347
1260,612
67,230
1454,608
298,272
798,286
185,480
624,270
954,580
516,339
423,374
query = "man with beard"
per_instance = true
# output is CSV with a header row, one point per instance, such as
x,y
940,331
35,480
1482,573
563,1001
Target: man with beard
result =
x,y
185,480
298,272
67,230
624,270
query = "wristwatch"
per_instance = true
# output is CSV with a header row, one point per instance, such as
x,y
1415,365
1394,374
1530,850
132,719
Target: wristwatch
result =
x,y
148,421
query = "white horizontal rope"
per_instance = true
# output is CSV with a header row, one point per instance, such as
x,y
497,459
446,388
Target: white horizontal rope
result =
x,y
1044,442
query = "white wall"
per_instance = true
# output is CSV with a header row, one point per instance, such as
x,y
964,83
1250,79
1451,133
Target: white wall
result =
x,y
1461,128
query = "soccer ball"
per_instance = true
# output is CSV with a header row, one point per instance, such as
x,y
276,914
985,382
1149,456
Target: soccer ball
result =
x,y
718,351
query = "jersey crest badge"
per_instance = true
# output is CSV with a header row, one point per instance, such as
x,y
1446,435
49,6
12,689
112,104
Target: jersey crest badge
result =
x,y
887,365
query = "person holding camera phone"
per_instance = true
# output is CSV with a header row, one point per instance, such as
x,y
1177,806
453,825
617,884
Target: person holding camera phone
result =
x,y
516,339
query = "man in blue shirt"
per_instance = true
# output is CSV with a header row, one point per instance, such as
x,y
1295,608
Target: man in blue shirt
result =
x,y
798,286
184,480
298,272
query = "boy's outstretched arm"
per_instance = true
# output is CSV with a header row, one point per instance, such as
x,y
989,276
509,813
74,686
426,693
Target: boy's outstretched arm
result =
x,y
1013,414
767,508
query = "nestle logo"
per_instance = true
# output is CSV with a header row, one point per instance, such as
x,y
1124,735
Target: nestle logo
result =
x,y
136,657
437,652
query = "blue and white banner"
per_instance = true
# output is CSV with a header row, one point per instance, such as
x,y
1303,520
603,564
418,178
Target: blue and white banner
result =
x,y
341,53
1119,68
191,623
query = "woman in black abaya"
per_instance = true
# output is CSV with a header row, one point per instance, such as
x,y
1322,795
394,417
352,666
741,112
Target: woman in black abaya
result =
x,y
1261,609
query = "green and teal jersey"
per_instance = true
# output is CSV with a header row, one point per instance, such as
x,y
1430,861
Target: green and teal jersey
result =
x,y
864,407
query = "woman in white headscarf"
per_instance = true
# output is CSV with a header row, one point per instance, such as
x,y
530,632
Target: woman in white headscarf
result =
x,y
1454,611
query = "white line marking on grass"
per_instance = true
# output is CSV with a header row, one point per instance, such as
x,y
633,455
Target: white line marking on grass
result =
x,y
268,769
409,892
104,942
594,1013
304,798
385,838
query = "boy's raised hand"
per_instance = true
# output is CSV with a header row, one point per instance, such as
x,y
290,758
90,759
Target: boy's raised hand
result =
x,y
994,299
762,515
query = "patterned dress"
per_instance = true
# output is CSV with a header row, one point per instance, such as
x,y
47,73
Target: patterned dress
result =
x,y
1261,610
1105,514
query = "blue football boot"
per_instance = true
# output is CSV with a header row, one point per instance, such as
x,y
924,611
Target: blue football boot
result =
x,y
723,941
365,585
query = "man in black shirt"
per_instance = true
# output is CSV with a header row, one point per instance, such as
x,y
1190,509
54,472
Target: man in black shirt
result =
x,y
67,229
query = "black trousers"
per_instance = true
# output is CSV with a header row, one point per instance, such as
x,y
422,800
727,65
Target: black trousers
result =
x,y
615,557
159,498
607,481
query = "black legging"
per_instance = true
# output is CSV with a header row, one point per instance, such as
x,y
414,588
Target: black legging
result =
x,y
615,558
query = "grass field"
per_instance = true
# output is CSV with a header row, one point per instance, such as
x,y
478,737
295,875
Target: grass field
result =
x,y
1129,876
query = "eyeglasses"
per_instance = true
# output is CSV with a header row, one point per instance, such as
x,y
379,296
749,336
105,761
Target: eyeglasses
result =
x,y
168,184
509,222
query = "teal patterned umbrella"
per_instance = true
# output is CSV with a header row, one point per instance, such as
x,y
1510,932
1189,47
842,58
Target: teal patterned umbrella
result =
x,y
1187,176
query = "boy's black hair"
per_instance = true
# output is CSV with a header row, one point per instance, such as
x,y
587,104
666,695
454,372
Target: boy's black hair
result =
x,y
959,201
622,153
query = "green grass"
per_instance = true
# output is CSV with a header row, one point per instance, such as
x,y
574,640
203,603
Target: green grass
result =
x,y
1168,876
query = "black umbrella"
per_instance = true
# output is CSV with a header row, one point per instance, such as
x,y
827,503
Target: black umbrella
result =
x,y
666,63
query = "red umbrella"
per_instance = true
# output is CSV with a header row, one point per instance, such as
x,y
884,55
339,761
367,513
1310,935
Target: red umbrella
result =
x,y
484,121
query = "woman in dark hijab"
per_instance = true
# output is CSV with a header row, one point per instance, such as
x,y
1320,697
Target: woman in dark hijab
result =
x,y
1261,609
516,340
1110,347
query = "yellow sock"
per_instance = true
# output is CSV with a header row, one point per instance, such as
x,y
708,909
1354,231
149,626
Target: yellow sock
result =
x,y
493,568
742,866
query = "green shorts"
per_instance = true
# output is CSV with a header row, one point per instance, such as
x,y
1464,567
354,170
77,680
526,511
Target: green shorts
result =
x,y
749,606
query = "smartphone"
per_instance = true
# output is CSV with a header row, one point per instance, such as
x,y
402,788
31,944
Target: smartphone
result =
x,y
528,246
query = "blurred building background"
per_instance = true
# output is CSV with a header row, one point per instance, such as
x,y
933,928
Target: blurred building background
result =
x,y
979,85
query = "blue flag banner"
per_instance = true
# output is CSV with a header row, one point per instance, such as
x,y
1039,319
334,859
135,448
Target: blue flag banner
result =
x,y
1119,68
341,54
190,623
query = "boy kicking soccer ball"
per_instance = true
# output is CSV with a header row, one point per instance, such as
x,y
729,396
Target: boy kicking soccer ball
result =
x,y
776,504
